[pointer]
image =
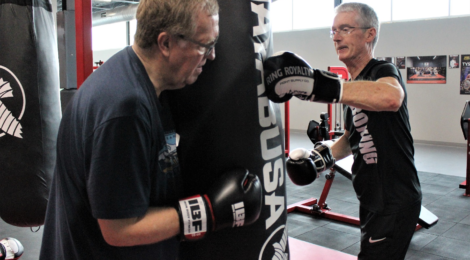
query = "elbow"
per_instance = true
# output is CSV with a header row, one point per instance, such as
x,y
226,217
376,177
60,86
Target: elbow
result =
x,y
394,105
114,241
118,240
394,102
116,232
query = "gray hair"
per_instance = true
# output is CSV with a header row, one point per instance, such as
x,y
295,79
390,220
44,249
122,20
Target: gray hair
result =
x,y
366,17
175,17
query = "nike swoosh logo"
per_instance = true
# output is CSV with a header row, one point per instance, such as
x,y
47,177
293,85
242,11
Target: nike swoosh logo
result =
x,y
375,240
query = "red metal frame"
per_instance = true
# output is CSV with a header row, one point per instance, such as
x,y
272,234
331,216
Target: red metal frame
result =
x,y
344,74
319,207
331,133
84,54
464,185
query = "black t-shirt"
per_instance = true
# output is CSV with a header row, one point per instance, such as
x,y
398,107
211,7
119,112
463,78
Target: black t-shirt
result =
x,y
116,157
384,175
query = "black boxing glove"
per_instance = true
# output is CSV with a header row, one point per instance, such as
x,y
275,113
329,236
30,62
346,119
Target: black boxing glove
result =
x,y
304,166
300,167
234,201
322,156
286,74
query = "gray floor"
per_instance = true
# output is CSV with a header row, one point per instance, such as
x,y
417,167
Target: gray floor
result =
x,y
446,240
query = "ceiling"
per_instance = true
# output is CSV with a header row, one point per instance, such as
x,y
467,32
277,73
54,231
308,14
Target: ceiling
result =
x,y
111,11
107,5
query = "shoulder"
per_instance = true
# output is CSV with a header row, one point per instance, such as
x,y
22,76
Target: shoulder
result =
x,y
384,66
384,69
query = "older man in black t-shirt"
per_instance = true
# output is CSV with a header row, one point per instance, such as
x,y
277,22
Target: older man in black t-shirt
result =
x,y
377,133
377,130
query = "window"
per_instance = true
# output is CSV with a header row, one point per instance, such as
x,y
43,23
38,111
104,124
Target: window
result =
x,y
132,30
459,7
281,15
109,36
383,8
287,15
418,9
309,14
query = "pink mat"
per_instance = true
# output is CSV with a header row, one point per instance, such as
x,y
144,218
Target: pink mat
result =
x,y
300,250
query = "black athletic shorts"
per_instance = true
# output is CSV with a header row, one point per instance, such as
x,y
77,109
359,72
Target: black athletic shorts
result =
x,y
387,236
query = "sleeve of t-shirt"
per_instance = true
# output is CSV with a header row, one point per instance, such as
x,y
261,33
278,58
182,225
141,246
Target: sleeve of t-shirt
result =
x,y
119,175
387,70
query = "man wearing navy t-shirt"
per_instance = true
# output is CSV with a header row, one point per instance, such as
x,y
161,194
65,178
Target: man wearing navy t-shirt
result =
x,y
117,178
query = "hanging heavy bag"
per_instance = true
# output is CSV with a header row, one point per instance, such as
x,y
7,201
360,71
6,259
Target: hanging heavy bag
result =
x,y
29,109
225,120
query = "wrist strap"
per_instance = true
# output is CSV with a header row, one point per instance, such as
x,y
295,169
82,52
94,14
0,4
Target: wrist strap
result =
x,y
193,218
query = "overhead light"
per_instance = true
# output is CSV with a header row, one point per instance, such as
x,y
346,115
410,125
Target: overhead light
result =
x,y
434,57
418,57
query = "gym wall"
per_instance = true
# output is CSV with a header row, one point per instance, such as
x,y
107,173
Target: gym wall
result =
x,y
434,109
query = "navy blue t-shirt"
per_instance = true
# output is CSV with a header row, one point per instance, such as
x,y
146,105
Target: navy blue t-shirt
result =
x,y
116,157
383,173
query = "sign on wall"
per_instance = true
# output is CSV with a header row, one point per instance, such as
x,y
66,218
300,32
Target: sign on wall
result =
x,y
454,61
426,69
465,74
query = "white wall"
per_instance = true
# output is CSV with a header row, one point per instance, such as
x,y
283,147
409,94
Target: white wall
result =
x,y
434,109
104,55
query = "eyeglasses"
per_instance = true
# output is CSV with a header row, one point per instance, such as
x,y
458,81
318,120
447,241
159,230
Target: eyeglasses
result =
x,y
345,31
208,47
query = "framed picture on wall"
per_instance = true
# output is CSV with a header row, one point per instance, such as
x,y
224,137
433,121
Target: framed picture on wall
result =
x,y
454,61
389,59
400,62
465,75
426,69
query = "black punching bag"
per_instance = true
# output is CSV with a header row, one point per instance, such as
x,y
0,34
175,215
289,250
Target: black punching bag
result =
x,y
225,120
29,109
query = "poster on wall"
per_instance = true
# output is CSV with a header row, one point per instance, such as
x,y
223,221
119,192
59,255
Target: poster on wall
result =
x,y
465,75
426,69
400,62
389,59
454,61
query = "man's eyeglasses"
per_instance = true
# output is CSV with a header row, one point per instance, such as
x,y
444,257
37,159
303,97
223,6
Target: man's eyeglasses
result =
x,y
345,31
208,47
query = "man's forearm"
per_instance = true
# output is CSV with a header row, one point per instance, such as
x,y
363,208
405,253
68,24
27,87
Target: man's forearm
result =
x,y
341,148
156,225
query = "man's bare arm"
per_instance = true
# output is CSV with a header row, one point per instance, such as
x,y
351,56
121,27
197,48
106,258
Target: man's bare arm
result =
x,y
156,225
385,94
